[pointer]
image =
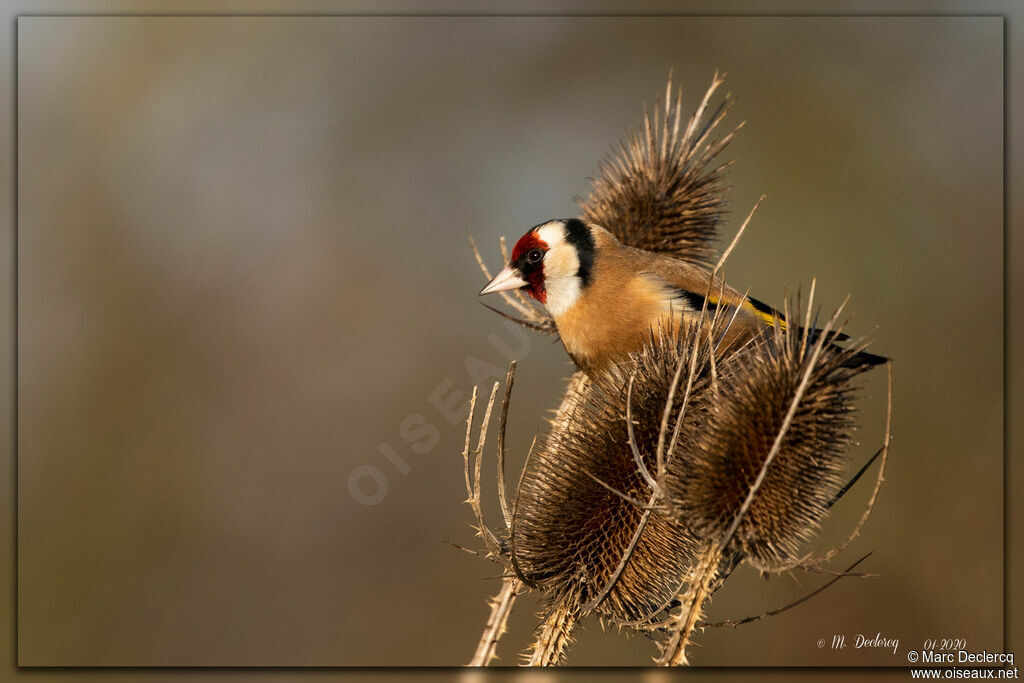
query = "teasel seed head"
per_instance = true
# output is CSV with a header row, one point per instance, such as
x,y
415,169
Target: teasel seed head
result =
x,y
727,439
661,191
587,523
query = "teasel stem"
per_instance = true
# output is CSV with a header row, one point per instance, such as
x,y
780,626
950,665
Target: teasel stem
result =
x,y
501,607
501,604
473,485
698,592
502,420
555,630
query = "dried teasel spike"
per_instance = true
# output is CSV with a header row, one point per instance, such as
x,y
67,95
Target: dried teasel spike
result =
x,y
816,563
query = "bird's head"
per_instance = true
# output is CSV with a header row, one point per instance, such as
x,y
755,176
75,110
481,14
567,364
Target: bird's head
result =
x,y
553,262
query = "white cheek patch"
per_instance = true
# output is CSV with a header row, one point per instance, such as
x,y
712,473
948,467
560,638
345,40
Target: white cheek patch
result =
x,y
562,294
561,264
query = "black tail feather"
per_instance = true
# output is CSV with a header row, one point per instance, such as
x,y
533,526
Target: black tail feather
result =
x,y
858,360
832,336
864,358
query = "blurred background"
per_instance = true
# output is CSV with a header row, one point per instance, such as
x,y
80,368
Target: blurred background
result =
x,y
248,321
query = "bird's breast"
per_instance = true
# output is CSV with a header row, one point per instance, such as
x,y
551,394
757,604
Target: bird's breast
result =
x,y
608,322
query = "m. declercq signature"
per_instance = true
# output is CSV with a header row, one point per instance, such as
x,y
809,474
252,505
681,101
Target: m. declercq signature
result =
x,y
877,641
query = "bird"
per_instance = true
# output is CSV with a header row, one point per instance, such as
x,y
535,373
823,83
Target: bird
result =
x,y
607,298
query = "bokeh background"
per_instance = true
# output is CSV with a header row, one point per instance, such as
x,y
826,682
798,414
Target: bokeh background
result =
x,y
248,319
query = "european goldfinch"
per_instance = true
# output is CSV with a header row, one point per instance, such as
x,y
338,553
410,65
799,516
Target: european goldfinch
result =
x,y
606,297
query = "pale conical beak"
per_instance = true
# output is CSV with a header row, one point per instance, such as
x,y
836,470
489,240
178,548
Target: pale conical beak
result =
x,y
508,278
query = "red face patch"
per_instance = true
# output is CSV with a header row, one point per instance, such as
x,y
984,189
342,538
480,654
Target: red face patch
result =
x,y
532,270
527,242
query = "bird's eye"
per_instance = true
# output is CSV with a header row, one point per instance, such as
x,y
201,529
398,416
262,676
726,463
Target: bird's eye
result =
x,y
534,256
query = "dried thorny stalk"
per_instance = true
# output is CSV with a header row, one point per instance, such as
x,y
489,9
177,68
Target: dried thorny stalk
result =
x,y
501,604
501,607
699,587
